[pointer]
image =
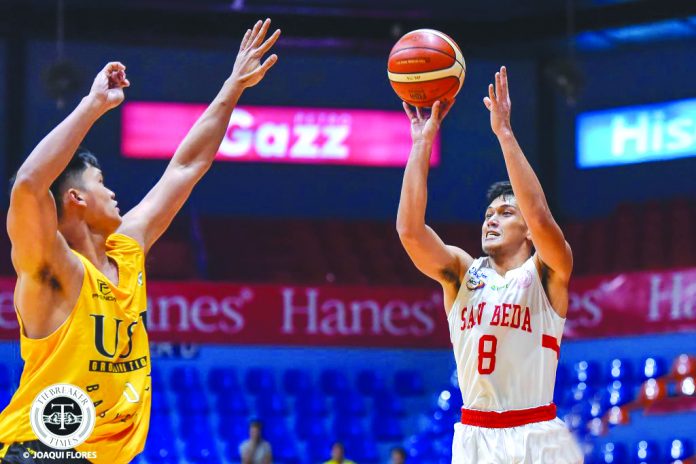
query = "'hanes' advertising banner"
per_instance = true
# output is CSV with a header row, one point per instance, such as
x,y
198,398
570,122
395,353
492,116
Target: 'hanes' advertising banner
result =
x,y
200,312
270,134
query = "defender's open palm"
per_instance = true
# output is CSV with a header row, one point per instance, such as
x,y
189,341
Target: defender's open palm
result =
x,y
498,102
107,88
424,127
248,69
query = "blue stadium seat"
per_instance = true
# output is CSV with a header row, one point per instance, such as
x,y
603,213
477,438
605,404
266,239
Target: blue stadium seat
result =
x,y
232,405
362,451
350,404
449,400
157,379
678,449
347,428
619,369
223,381
319,448
185,379
195,426
159,402
652,368
578,392
297,381
309,426
161,450
161,425
646,452
5,397
333,382
191,402
420,448
5,382
387,428
439,424
311,404
587,372
576,419
232,451
233,431
613,453
284,450
388,404
616,394
201,450
409,383
259,381
271,406
563,376
369,382
139,459
275,430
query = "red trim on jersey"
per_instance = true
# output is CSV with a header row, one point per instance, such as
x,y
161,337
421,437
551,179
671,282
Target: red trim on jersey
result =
x,y
547,341
507,419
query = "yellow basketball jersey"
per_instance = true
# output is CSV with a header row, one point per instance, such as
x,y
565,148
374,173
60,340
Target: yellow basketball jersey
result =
x,y
102,348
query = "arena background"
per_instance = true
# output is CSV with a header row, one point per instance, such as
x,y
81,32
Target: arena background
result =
x,y
260,249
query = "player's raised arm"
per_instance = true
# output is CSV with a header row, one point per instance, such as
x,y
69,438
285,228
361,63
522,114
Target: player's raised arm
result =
x,y
547,236
32,221
151,217
441,262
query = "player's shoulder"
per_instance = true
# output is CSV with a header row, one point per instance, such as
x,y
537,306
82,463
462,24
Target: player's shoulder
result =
x,y
123,242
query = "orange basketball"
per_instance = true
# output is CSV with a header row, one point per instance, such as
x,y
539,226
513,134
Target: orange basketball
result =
x,y
426,65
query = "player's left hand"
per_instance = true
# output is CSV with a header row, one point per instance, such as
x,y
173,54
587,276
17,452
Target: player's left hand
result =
x,y
248,69
498,103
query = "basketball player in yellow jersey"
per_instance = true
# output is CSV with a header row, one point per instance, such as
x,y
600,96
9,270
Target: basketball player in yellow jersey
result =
x,y
80,294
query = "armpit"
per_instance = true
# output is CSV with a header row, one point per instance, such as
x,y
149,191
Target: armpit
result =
x,y
47,276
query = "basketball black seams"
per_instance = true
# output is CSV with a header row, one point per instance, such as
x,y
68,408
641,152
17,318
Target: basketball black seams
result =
x,y
431,49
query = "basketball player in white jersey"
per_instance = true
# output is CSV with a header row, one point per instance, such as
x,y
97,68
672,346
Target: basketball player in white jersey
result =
x,y
505,310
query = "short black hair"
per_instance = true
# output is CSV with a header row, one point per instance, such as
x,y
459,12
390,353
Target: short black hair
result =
x,y
338,443
81,160
498,189
256,423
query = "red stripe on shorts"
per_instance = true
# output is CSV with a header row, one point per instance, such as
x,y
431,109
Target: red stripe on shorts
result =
x,y
507,419
547,341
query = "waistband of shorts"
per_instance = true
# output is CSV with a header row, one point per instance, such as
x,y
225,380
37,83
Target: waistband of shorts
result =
x,y
506,419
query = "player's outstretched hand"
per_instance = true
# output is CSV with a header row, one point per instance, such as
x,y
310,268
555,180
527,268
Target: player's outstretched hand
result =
x,y
107,88
248,69
423,127
498,103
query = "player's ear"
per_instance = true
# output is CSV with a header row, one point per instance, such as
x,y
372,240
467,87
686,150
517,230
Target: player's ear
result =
x,y
75,197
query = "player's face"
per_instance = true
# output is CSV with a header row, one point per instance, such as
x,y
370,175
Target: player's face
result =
x,y
503,226
101,212
337,453
397,458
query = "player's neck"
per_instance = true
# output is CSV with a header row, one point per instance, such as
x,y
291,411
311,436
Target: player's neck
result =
x,y
88,242
502,262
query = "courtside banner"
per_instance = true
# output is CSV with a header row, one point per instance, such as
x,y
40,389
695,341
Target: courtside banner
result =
x,y
361,316
269,134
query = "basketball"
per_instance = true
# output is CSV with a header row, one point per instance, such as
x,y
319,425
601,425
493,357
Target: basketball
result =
x,y
424,66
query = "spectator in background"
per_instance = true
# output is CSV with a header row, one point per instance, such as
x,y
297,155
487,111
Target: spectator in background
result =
x,y
338,455
398,455
255,450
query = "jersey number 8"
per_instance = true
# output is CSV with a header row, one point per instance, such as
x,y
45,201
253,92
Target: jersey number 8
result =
x,y
486,358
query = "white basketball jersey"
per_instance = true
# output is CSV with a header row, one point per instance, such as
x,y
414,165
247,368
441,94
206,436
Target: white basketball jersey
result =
x,y
506,338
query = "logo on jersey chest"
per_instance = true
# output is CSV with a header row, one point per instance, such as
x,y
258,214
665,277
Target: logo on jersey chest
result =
x,y
475,279
504,315
104,292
